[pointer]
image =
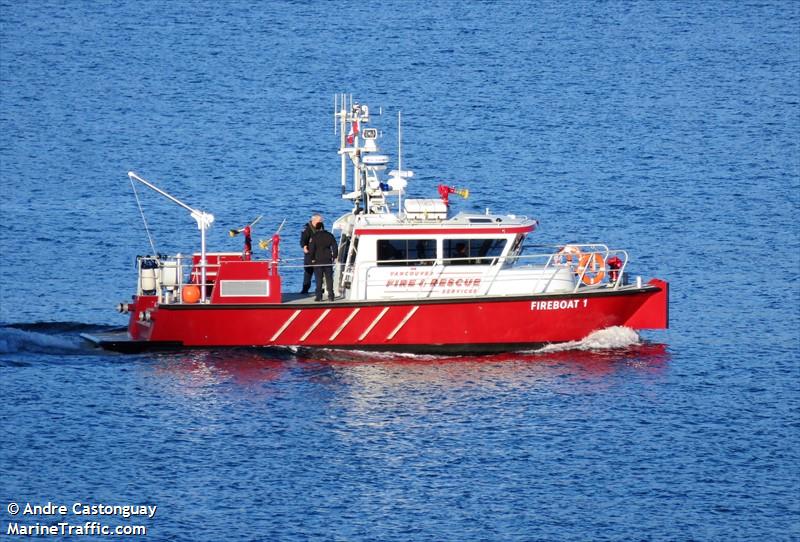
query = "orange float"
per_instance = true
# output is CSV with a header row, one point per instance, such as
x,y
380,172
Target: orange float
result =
x,y
190,294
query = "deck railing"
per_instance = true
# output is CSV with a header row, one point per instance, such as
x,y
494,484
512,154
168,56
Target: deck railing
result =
x,y
588,273
172,274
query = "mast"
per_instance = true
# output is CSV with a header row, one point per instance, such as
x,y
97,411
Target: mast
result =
x,y
351,119
359,143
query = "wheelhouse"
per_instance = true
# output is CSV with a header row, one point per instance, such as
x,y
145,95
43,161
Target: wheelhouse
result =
x,y
401,257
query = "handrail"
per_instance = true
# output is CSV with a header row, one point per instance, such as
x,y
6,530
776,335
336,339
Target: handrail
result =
x,y
489,267
545,258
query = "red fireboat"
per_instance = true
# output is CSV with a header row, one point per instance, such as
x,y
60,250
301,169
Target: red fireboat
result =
x,y
411,276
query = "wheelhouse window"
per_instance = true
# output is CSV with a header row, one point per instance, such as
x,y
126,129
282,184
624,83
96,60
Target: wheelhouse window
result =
x,y
472,251
399,252
516,249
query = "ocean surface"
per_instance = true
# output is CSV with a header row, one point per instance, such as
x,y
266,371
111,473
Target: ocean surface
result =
x,y
670,129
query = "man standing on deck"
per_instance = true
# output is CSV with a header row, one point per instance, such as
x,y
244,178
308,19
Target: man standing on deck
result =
x,y
305,237
323,251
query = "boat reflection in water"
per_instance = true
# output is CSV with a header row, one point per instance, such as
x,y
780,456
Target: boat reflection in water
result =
x,y
568,368
206,369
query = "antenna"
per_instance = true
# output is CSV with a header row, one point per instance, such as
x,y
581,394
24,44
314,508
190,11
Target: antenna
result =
x,y
342,114
400,140
399,157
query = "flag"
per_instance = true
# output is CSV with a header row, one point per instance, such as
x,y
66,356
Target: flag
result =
x,y
351,135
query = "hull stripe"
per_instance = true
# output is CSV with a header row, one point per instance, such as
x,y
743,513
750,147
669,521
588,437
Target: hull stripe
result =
x,y
373,324
315,324
285,325
402,323
344,324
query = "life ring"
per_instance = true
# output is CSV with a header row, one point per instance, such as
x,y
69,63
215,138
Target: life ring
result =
x,y
591,268
567,255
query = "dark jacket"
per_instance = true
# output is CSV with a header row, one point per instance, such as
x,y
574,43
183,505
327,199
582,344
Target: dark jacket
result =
x,y
305,237
322,248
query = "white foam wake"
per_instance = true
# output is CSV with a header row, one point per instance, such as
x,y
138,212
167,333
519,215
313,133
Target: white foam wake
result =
x,y
603,339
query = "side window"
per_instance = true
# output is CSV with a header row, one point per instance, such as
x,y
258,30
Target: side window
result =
x,y
423,250
388,250
472,251
406,251
490,249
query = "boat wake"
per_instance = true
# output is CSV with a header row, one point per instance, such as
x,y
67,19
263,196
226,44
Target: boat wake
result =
x,y
610,338
45,338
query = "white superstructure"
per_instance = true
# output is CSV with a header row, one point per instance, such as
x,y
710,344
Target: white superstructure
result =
x,y
393,247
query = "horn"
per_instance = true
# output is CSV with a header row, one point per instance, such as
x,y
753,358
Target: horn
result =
x,y
236,231
463,192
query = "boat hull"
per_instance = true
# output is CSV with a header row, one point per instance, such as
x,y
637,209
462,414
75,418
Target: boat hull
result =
x,y
433,326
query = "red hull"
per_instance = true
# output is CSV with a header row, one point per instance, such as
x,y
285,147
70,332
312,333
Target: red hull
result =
x,y
416,326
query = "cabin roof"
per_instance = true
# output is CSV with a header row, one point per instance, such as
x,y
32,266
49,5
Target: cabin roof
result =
x,y
390,224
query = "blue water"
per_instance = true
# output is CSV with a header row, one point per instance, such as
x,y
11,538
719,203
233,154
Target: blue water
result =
x,y
668,129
